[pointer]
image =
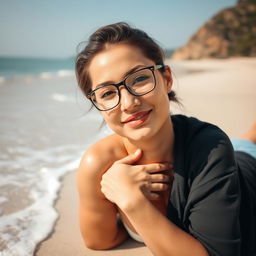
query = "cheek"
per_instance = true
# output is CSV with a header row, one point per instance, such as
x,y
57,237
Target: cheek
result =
x,y
112,118
110,114
162,104
159,99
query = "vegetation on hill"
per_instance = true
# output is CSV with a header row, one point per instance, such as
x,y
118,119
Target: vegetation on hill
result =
x,y
231,32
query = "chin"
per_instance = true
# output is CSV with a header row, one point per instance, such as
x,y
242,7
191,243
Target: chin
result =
x,y
143,133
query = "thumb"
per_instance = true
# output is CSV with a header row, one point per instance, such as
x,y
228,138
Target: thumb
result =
x,y
133,158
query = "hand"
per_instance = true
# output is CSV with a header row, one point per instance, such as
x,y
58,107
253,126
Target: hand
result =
x,y
125,181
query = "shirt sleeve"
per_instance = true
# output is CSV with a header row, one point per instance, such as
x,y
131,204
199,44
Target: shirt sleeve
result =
x,y
214,199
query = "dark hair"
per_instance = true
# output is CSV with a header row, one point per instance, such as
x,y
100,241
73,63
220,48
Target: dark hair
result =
x,y
111,34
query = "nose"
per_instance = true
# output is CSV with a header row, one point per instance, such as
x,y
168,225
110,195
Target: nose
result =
x,y
128,101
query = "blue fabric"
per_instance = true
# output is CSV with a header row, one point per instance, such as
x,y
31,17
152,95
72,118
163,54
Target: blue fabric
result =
x,y
246,146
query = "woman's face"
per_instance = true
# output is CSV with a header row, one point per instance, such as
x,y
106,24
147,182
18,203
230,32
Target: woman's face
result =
x,y
136,117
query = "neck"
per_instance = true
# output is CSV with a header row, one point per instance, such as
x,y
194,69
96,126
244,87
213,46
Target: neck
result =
x,y
156,149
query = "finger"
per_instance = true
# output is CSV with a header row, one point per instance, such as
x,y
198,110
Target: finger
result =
x,y
158,167
131,159
159,178
156,187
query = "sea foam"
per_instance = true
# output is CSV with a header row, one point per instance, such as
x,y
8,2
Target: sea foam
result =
x,y
29,183
62,97
30,217
2,79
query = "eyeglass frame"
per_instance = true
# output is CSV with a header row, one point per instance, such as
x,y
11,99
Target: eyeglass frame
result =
x,y
151,68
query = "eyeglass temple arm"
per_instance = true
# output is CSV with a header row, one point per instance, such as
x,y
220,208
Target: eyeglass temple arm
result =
x,y
159,66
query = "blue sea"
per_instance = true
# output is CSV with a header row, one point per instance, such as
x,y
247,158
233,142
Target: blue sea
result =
x,y
12,67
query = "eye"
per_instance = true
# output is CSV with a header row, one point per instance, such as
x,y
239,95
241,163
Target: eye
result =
x,y
140,79
107,93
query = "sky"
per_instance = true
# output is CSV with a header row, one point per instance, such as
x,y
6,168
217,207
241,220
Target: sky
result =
x,y
54,28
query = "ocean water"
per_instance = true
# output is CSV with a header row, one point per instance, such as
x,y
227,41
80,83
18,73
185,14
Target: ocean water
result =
x,y
45,127
11,67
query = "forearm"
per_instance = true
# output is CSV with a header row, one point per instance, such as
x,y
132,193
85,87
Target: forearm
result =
x,y
160,234
107,241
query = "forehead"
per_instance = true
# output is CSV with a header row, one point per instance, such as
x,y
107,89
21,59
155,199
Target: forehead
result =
x,y
111,64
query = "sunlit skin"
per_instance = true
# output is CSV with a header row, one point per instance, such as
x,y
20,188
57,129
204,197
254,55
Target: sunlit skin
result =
x,y
114,172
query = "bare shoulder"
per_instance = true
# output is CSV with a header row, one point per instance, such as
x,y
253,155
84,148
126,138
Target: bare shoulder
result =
x,y
94,208
101,155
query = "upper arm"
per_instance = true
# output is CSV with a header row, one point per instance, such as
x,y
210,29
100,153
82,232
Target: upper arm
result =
x,y
98,216
214,201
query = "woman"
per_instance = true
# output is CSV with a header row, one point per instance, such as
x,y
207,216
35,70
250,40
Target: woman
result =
x,y
172,180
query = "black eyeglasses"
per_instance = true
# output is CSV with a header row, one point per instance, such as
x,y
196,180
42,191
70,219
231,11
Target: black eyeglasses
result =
x,y
138,83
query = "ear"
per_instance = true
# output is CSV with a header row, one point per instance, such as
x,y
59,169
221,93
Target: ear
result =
x,y
167,75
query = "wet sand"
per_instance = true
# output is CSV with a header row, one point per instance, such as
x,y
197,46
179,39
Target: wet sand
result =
x,y
222,92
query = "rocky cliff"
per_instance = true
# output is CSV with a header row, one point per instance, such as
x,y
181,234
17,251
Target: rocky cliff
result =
x,y
231,32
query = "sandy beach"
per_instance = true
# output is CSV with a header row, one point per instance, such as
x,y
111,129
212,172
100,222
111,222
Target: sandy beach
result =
x,y
222,92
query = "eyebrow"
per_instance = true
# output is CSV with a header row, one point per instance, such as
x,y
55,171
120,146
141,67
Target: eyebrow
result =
x,y
125,75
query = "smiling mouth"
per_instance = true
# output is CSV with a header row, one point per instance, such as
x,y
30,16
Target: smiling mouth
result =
x,y
137,119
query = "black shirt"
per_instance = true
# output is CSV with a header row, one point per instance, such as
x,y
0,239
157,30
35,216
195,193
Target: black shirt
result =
x,y
211,198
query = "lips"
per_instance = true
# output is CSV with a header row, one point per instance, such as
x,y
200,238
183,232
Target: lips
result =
x,y
137,116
